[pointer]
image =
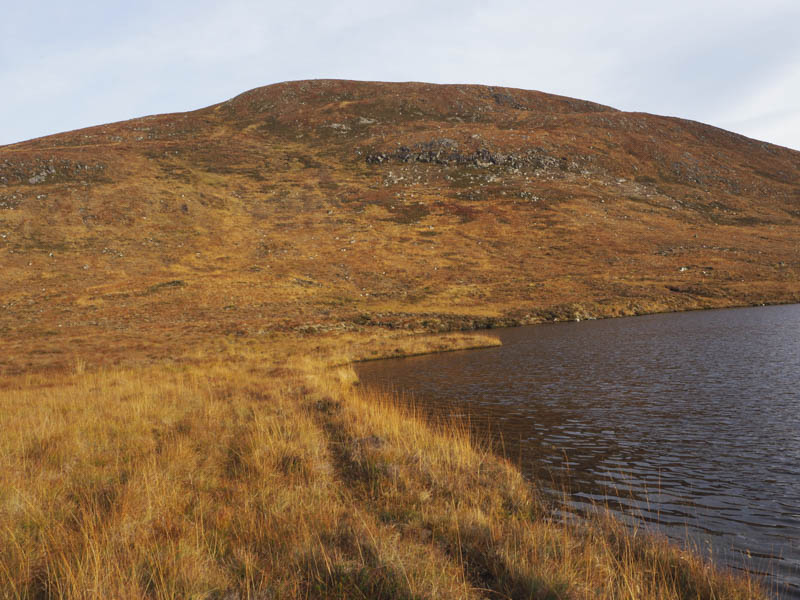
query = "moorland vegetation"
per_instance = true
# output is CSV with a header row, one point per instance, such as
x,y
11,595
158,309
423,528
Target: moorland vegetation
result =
x,y
181,296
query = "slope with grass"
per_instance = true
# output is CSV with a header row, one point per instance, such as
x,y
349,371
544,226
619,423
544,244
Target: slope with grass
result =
x,y
240,479
312,207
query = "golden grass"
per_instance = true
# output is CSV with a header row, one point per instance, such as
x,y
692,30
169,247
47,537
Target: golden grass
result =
x,y
248,478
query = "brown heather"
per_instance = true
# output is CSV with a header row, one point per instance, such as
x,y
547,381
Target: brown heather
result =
x,y
327,206
181,296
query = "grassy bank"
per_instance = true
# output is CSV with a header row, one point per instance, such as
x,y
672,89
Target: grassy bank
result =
x,y
254,477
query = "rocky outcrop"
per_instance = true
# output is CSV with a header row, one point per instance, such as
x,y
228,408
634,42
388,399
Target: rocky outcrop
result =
x,y
38,170
446,152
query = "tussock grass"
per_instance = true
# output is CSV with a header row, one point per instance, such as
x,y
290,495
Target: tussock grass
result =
x,y
241,480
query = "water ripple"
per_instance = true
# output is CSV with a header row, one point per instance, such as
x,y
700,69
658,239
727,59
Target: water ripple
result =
x,y
688,422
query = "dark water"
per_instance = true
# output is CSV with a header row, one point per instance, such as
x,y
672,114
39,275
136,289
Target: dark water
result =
x,y
686,422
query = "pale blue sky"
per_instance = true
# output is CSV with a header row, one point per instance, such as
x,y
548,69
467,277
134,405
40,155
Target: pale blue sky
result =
x,y
731,63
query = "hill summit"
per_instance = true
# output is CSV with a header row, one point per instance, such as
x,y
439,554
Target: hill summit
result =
x,y
317,206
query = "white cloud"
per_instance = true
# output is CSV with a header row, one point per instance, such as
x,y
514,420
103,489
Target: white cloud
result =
x,y
769,111
729,63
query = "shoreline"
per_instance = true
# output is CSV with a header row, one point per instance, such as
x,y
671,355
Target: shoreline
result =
x,y
568,312
478,338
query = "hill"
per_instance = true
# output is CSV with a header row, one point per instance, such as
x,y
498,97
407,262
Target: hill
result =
x,y
317,206
258,245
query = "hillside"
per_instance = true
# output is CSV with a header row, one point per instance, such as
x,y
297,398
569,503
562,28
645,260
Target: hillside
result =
x,y
251,249
317,206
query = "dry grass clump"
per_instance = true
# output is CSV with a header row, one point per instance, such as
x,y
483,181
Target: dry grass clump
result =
x,y
238,480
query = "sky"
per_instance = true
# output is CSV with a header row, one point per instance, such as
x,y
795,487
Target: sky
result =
x,y
734,64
